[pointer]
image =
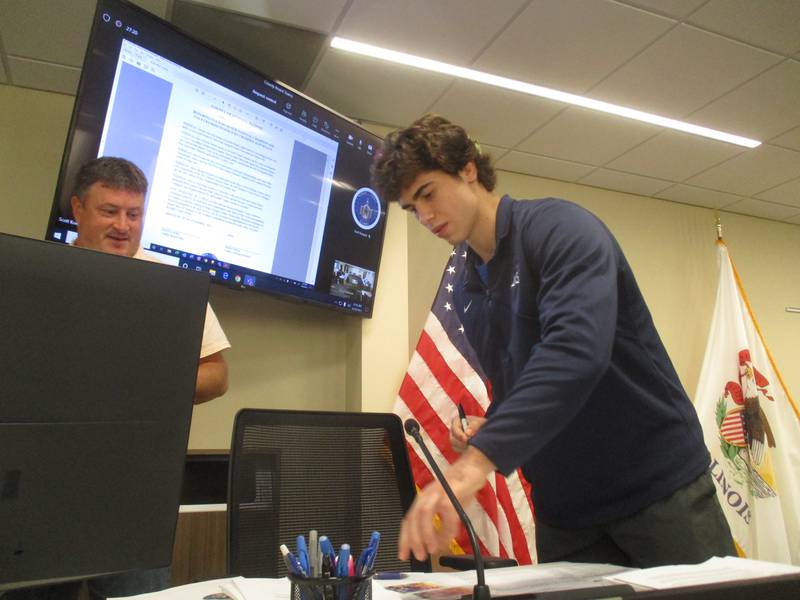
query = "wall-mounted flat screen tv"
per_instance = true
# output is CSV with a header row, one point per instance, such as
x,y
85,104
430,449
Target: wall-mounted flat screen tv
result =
x,y
250,180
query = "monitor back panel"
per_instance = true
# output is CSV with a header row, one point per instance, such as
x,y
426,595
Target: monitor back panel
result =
x,y
98,360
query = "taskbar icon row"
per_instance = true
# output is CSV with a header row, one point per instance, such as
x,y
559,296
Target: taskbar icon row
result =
x,y
209,263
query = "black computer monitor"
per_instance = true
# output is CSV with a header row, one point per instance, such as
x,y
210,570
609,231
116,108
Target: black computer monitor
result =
x,y
98,360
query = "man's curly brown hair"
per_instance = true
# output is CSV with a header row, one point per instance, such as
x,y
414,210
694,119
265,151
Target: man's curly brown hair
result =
x,y
431,143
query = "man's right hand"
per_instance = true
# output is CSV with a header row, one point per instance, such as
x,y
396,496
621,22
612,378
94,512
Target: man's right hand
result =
x,y
420,534
459,437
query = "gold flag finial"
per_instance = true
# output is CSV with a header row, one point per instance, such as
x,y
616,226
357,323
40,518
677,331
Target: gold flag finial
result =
x,y
719,228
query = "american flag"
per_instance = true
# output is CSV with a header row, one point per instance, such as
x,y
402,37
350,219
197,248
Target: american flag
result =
x,y
443,372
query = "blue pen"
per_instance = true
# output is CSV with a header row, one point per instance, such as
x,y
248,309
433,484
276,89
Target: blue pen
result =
x,y
292,564
327,549
362,560
343,562
374,542
302,553
368,554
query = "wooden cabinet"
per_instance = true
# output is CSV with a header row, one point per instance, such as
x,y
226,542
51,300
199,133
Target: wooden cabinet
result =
x,y
200,547
200,537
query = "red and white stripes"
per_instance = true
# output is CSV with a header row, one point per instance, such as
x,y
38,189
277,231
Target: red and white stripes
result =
x,y
438,378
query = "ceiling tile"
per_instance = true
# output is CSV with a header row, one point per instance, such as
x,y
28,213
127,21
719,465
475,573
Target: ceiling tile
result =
x,y
770,24
494,152
570,44
752,171
586,136
674,155
43,76
49,30
761,108
696,196
624,182
541,166
682,71
156,7
672,8
278,51
365,88
450,30
766,210
494,115
307,14
787,193
790,139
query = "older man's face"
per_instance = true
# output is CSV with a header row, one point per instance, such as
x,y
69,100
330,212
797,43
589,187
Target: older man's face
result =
x,y
109,220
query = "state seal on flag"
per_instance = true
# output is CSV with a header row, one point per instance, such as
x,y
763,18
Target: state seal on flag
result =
x,y
744,431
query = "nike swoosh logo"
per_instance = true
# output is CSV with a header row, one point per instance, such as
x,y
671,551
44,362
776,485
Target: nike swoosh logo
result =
x,y
466,308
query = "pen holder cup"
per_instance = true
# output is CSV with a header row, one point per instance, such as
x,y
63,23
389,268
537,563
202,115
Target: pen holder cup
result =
x,y
331,588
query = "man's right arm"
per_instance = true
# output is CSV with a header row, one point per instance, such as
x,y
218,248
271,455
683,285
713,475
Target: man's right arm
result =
x,y
212,370
212,378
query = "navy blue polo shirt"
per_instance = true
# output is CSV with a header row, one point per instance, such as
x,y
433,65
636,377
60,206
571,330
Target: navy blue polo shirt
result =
x,y
585,397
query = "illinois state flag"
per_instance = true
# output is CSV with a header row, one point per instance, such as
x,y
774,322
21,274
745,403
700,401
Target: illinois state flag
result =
x,y
443,372
751,427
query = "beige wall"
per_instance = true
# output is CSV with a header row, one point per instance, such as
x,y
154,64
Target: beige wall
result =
x,y
293,356
33,129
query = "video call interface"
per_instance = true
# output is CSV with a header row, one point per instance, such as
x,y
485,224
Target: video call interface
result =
x,y
249,180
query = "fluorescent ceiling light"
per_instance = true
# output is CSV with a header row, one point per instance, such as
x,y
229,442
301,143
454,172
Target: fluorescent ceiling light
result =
x,y
536,90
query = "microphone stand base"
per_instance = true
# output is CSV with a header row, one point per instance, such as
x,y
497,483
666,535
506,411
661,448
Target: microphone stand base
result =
x,y
481,592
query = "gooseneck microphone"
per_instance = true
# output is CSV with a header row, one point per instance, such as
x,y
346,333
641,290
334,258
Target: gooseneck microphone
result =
x,y
481,590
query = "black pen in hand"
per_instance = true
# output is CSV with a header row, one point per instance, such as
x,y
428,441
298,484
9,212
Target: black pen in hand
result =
x,y
462,417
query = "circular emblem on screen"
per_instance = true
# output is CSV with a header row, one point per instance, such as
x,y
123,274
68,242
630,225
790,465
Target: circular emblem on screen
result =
x,y
366,208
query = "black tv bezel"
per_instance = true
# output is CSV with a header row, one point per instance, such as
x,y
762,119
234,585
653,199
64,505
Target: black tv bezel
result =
x,y
277,289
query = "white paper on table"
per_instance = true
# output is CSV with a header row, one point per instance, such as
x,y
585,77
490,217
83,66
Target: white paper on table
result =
x,y
237,588
714,570
190,591
507,580
242,588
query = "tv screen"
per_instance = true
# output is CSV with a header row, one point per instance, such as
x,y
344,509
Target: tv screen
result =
x,y
250,180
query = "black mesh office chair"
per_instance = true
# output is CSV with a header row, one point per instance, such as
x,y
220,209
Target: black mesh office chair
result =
x,y
343,474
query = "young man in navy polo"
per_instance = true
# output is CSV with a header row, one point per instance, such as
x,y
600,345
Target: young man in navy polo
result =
x,y
585,397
